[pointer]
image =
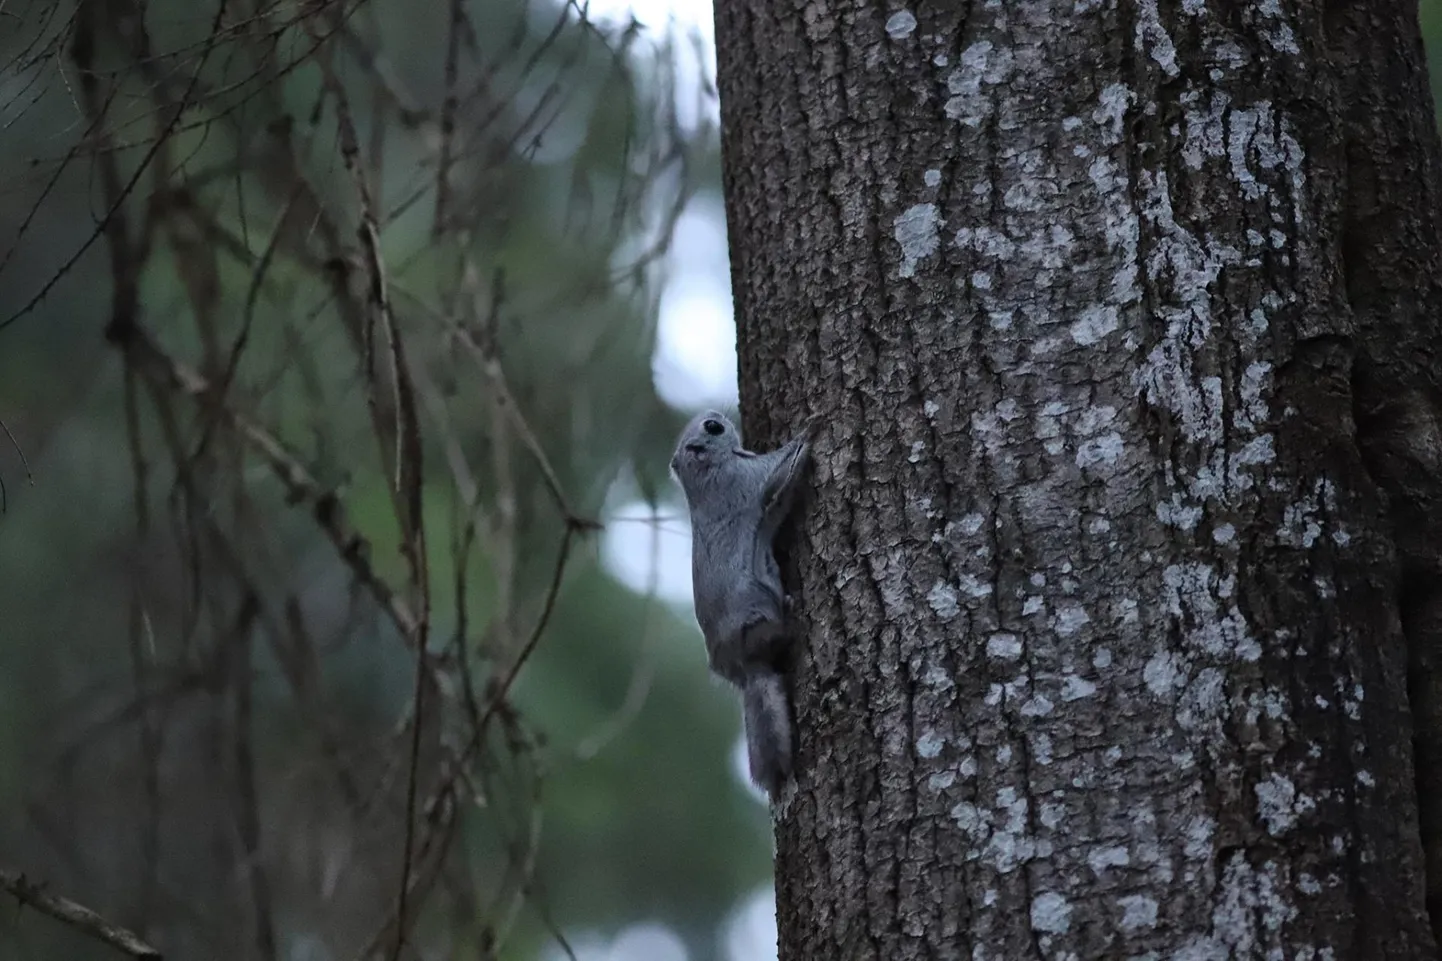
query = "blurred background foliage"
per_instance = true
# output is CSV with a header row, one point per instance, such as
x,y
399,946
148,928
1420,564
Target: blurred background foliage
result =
x,y
207,707
207,697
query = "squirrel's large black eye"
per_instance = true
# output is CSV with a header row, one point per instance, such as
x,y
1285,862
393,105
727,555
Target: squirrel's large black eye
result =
x,y
713,427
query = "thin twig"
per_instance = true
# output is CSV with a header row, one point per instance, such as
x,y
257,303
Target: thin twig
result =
x,y
82,55
500,689
442,813
407,459
24,464
247,801
252,294
448,117
408,848
300,487
490,366
77,916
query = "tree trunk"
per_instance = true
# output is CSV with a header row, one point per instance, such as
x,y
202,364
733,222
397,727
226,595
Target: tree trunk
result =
x,y
1123,554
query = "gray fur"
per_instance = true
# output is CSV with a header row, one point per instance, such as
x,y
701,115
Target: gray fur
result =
x,y
738,500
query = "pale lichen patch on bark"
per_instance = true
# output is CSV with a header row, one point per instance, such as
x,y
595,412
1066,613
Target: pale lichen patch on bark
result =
x,y
1004,646
1152,38
917,232
1138,912
943,601
968,103
1280,36
900,24
1051,913
1111,856
929,745
1280,804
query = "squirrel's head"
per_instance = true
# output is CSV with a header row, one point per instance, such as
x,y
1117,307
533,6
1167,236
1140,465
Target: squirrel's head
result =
x,y
705,443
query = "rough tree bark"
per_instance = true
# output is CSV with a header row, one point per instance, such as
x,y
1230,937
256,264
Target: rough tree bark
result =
x,y
1124,553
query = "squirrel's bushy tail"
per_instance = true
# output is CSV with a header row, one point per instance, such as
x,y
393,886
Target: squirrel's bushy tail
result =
x,y
768,730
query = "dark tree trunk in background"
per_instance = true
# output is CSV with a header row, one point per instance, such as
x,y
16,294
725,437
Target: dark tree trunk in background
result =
x,y
1124,556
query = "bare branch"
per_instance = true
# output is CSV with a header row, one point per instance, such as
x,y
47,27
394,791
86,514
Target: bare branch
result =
x,y
24,464
301,487
237,265
76,915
